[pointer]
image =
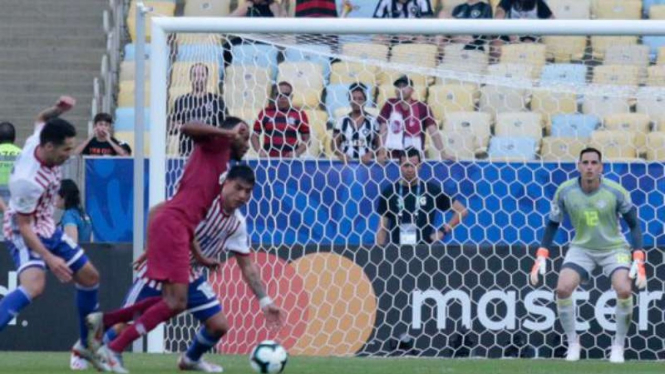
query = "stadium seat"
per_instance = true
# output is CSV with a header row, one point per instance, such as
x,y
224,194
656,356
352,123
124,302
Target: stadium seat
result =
x,y
498,99
353,72
655,43
248,115
570,9
565,48
462,146
389,76
651,101
636,55
560,149
647,4
656,75
637,124
369,51
656,146
599,44
247,86
126,93
320,137
207,8
159,9
617,9
128,71
128,137
456,58
180,75
579,126
602,106
519,124
476,123
202,39
337,96
512,148
564,73
387,91
533,54
316,54
307,80
125,121
620,75
201,53
450,98
257,55
415,54
550,102
512,71
615,145
657,12
130,52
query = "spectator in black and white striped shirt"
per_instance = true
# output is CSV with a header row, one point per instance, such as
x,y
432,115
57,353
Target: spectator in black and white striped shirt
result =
x,y
356,135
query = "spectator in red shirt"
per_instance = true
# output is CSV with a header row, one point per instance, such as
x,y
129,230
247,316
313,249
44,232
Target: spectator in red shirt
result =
x,y
285,129
316,8
404,121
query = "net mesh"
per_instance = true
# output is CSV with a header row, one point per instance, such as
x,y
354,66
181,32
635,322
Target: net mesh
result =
x,y
514,115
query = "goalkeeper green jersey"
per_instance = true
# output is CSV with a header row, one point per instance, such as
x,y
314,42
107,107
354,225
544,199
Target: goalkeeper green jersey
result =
x,y
595,216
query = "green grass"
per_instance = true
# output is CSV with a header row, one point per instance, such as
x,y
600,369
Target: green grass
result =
x,y
58,363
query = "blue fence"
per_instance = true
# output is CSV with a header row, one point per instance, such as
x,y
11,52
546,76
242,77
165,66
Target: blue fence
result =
x,y
326,202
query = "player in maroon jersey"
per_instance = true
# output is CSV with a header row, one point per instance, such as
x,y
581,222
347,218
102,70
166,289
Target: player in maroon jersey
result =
x,y
171,231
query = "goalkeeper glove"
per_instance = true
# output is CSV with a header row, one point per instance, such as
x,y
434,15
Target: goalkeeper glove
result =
x,y
637,270
539,266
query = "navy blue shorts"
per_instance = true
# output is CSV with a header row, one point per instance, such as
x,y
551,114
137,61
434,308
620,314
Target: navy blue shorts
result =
x,y
202,300
59,244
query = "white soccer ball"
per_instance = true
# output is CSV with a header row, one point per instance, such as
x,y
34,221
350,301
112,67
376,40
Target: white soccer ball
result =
x,y
268,357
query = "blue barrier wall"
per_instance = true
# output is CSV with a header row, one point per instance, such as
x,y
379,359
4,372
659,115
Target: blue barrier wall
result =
x,y
326,202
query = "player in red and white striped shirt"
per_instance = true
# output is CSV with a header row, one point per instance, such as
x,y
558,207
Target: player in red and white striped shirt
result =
x,y
30,231
223,229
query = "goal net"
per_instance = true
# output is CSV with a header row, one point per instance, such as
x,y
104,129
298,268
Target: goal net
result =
x,y
512,112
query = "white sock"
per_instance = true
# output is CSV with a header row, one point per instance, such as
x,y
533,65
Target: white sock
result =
x,y
566,310
624,316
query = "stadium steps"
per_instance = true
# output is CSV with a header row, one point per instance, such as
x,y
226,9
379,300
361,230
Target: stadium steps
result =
x,y
50,48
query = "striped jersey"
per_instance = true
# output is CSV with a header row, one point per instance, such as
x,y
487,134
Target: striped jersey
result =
x,y
281,129
33,187
357,140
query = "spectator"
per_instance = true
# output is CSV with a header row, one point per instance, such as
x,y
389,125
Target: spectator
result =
x,y
75,222
8,151
356,135
403,9
197,106
259,8
404,121
520,9
280,124
102,142
408,207
316,8
472,9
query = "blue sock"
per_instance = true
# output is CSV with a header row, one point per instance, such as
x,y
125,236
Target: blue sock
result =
x,y
110,335
11,304
201,344
86,302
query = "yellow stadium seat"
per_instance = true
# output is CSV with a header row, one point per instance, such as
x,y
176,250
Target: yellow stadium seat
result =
x,y
565,48
619,75
457,59
372,51
389,76
182,38
525,53
307,81
207,8
651,101
617,9
462,146
247,86
570,9
320,137
180,75
387,91
498,99
519,124
476,123
656,75
615,145
637,55
602,106
247,114
128,71
599,44
656,146
126,94
450,98
657,12
159,9
637,124
661,56
415,54
549,102
353,72
561,149
128,137
512,71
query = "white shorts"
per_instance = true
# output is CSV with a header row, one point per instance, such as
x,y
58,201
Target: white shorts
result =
x,y
584,261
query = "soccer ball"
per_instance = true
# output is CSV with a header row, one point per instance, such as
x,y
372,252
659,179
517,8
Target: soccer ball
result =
x,y
268,357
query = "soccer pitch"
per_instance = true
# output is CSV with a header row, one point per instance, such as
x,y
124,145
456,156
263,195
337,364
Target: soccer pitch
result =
x,y
58,363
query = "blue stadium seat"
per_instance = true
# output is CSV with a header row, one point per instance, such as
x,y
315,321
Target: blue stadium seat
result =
x,y
337,96
257,55
564,73
574,125
517,147
202,53
130,51
646,5
124,119
654,42
301,54
361,8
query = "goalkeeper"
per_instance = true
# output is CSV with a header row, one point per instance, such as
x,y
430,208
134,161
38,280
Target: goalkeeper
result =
x,y
594,204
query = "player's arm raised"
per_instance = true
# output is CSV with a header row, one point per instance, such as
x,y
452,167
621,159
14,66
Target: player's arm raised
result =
x,y
198,131
637,270
252,276
64,104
